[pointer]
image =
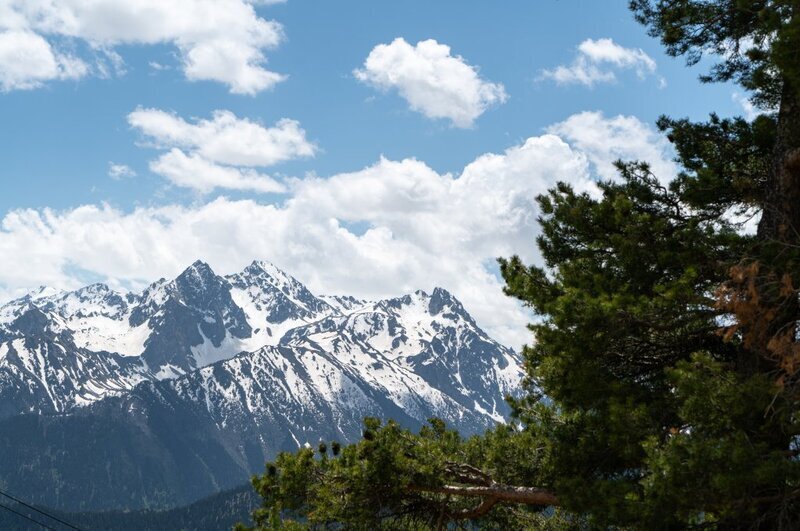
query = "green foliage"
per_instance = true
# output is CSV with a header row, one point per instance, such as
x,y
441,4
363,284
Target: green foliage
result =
x,y
726,163
755,41
628,293
388,479
730,454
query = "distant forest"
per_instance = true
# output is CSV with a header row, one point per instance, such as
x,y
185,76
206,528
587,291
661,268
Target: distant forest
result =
x,y
218,512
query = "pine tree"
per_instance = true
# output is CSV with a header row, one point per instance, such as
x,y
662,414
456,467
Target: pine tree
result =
x,y
664,379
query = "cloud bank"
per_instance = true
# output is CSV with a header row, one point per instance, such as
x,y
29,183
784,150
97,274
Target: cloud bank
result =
x,y
389,228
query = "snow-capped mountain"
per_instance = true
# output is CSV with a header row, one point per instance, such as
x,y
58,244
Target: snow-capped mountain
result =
x,y
59,350
52,343
42,369
188,386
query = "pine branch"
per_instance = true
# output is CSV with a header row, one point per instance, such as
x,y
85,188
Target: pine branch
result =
x,y
497,492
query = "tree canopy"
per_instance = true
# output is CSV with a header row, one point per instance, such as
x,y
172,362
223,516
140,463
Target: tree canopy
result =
x,y
663,376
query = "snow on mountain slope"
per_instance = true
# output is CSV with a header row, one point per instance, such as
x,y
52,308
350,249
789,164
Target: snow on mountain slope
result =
x,y
43,370
99,319
189,318
96,315
12,309
428,336
274,303
294,396
344,303
277,348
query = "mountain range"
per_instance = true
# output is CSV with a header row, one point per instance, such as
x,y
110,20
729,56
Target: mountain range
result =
x,y
114,400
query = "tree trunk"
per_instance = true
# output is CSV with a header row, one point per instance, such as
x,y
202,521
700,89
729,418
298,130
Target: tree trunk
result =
x,y
780,220
779,229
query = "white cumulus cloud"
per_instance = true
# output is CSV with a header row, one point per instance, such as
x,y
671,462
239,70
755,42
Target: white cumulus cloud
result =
x,y
418,229
217,40
605,140
596,62
193,171
220,152
432,80
27,60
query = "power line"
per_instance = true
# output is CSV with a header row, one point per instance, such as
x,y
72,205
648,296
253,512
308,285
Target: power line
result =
x,y
40,511
25,516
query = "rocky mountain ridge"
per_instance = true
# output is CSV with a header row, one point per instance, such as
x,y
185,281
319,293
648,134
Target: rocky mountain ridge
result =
x,y
174,393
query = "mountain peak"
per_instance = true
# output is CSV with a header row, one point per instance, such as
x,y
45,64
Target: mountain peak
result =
x,y
97,288
277,294
443,302
43,292
276,277
264,266
199,267
197,276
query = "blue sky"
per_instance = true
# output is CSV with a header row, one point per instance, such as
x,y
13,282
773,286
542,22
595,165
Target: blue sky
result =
x,y
60,133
